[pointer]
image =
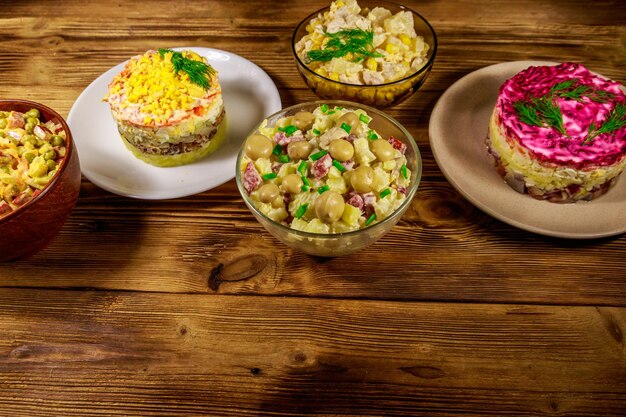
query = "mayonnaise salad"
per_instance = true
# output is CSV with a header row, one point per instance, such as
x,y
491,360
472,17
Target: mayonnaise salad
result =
x,y
324,171
361,46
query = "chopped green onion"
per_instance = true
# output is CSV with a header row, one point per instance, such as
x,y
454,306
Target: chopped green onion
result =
x,y
269,176
289,130
283,158
346,127
277,150
371,135
323,189
338,165
305,180
364,118
324,108
403,171
370,219
317,132
301,210
331,112
384,193
305,188
318,155
302,168
338,108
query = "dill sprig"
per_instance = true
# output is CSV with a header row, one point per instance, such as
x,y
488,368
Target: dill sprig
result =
x,y
541,112
615,121
199,72
359,42
571,89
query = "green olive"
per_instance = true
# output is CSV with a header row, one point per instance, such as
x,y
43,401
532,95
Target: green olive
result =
x,y
278,202
299,150
292,184
258,146
57,140
303,120
341,150
362,179
329,206
382,149
352,120
268,192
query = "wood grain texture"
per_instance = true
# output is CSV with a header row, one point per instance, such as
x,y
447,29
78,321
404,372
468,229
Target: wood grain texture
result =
x,y
188,307
157,354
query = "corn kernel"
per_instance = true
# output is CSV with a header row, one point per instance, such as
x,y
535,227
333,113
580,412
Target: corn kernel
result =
x,y
391,48
371,64
334,76
321,71
340,3
405,39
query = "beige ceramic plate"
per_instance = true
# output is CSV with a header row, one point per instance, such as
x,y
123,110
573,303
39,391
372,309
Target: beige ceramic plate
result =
x,y
458,126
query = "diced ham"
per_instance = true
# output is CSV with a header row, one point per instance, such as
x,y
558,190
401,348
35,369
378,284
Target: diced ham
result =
x,y
369,199
276,167
357,201
401,189
351,138
348,165
397,144
41,132
282,139
251,178
4,207
322,166
15,120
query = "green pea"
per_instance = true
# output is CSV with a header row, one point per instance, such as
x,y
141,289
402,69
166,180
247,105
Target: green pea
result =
x,y
50,155
51,164
29,127
33,120
57,140
3,123
33,113
40,143
4,169
29,156
32,140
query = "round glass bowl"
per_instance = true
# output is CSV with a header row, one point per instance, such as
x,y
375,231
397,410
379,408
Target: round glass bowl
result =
x,y
33,225
331,245
381,95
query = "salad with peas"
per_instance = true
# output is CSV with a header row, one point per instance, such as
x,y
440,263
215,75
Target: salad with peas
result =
x,y
324,171
31,153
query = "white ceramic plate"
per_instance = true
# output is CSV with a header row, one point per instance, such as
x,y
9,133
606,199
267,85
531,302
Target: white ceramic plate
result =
x,y
457,130
249,96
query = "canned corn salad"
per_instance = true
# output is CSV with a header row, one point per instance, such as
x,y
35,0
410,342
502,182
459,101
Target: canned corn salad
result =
x,y
168,107
324,171
361,46
31,153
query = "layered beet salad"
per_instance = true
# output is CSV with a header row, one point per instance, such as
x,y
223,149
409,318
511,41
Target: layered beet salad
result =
x,y
558,133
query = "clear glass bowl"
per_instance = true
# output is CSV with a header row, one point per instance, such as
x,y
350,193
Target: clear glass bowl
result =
x,y
382,95
330,245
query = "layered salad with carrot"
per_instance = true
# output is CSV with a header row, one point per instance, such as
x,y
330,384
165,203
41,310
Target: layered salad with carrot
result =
x,y
356,45
558,133
31,153
168,107
324,171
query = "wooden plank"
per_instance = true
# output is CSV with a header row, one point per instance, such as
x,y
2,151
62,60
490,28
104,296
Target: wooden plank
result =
x,y
442,249
104,353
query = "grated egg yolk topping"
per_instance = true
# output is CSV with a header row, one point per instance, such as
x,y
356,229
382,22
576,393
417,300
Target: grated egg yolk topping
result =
x,y
151,85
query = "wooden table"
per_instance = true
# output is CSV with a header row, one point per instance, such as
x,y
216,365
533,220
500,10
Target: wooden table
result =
x,y
451,313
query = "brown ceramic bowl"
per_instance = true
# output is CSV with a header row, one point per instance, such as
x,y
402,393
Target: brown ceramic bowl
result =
x,y
32,226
